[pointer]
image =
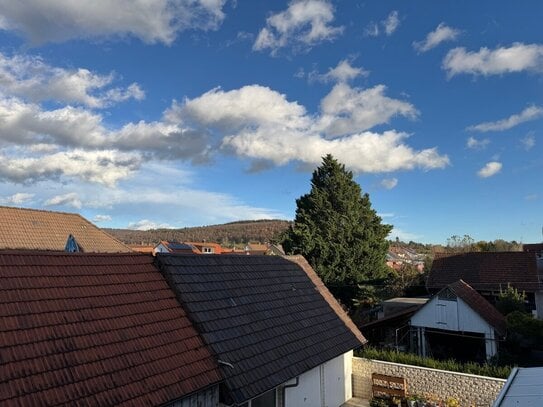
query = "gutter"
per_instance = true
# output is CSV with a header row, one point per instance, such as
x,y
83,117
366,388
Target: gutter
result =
x,y
288,386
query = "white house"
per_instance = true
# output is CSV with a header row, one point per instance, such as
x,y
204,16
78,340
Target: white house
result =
x,y
460,319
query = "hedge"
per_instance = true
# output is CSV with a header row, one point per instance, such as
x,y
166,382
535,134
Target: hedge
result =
x,y
449,364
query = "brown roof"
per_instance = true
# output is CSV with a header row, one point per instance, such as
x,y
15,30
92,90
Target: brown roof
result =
x,y
478,304
94,329
533,247
32,229
485,270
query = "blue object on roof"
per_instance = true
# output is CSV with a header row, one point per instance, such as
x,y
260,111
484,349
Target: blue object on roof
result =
x,y
71,245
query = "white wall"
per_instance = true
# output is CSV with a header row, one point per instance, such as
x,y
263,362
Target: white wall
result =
x,y
539,304
327,385
456,316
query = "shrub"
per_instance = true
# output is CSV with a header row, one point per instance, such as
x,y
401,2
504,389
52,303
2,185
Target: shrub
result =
x,y
511,300
450,364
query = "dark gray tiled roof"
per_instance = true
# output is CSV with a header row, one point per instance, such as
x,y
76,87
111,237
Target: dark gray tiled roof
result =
x,y
262,314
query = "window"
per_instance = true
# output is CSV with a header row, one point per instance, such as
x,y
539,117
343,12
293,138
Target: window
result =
x,y
207,250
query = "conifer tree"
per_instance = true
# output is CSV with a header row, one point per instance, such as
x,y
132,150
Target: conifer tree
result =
x,y
338,232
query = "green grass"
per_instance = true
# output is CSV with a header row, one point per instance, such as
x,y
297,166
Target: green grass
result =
x,y
449,364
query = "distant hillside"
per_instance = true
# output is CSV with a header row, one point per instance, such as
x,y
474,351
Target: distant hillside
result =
x,y
228,234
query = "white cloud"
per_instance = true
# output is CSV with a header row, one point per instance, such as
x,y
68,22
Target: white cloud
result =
x,y
101,218
387,26
441,34
343,72
491,168
18,198
303,24
70,199
516,58
404,235
528,142
389,183
146,224
105,167
391,23
363,152
151,21
528,114
31,78
348,110
475,144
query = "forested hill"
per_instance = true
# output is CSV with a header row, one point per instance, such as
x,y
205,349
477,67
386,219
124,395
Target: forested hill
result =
x,y
227,234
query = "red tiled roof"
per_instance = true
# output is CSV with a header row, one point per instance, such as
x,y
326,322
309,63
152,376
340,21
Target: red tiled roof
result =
x,y
533,247
479,304
32,229
486,270
94,329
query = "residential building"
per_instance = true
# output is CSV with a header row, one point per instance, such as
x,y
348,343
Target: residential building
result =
x,y
491,272
97,330
457,322
165,246
32,229
279,335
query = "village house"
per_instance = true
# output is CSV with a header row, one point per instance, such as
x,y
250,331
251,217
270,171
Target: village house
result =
x,y
33,229
490,272
97,329
279,335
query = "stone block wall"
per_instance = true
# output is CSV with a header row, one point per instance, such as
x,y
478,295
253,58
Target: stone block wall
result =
x,y
469,389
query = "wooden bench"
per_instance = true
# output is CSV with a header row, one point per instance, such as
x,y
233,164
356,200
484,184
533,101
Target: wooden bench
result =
x,y
383,385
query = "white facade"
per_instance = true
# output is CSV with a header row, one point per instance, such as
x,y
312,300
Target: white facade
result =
x,y
327,385
453,315
160,248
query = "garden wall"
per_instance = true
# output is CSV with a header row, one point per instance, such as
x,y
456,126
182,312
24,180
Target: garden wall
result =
x,y
468,389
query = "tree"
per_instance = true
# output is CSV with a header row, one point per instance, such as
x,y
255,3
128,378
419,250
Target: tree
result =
x,y
339,233
510,300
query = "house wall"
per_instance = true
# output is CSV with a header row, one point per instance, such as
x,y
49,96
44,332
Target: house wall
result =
x,y
450,315
455,316
468,389
539,304
327,385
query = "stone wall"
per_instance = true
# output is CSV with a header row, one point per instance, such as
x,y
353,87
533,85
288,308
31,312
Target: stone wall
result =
x,y
469,389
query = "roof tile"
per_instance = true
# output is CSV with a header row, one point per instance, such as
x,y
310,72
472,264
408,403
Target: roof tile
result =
x,y
261,314
94,329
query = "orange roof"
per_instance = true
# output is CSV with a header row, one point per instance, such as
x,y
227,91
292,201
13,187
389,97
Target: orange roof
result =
x,y
32,229
141,249
199,245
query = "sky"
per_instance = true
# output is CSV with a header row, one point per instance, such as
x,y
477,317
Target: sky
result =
x,y
174,113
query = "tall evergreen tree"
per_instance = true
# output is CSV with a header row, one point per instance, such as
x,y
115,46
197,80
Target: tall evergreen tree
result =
x,y
338,232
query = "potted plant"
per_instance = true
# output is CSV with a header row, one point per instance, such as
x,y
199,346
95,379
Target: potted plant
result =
x,y
453,402
378,402
396,402
412,400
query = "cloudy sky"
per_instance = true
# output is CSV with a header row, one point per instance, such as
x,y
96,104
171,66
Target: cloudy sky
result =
x,y
173,113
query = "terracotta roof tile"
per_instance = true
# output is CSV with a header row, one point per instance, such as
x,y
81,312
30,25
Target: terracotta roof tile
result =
x,y
486,270
262,314
32,229
95,329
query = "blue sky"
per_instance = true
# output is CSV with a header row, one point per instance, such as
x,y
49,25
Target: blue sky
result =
x,y
180,113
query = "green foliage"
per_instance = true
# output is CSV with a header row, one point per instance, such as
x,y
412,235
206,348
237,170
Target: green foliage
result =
x,y
379,402
450,364
510,300
524,329
338,232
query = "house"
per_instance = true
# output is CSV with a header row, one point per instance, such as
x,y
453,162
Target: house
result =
x,y
32,229
206,247
278,333
457,321
490,272
97,330
524,387
165,246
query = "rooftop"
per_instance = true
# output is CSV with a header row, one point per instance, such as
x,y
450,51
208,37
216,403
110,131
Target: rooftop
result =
x,y
263,315
32,229
95,329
